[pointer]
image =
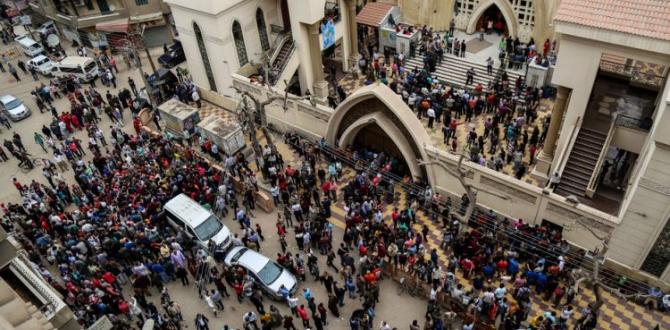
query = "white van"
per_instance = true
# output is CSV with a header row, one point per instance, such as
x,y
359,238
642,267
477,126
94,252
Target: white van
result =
x,y
29,46
197,222
83,68
42,64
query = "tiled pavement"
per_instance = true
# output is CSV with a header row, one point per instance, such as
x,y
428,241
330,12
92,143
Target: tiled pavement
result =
x,y
616,314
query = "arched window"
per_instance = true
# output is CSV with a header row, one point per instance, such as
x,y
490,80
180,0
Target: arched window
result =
x,y
205,58
239,44
262,30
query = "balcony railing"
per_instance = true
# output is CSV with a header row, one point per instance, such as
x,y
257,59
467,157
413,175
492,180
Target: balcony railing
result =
x,y
645,75
632,122
52,301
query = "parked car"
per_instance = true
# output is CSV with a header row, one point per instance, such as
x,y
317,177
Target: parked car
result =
x,y
173,56
42,64
14,108
269,274
46,27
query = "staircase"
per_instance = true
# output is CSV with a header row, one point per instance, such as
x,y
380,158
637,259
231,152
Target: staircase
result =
x,y
581,162
453,70
279,62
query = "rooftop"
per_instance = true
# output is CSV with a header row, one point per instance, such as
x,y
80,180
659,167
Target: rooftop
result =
x,y
373,13
646,18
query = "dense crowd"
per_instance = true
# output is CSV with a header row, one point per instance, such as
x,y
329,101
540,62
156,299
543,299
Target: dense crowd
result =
x,y
508,109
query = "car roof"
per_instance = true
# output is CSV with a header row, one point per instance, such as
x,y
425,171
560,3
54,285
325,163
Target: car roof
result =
x,y
194,213
38,58
250,259
74,60
7,98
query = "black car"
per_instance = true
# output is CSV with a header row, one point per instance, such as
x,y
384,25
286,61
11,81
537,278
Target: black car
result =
x,y
173,56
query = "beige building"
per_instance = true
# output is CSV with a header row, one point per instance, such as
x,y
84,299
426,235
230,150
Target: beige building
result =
x,y
27,301
230,36
605,139
522,18
106,22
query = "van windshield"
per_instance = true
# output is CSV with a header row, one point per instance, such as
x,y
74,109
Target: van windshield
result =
x,y
208,229
89,67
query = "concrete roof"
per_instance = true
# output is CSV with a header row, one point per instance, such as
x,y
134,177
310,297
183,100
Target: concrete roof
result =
x,y
373,13
646,18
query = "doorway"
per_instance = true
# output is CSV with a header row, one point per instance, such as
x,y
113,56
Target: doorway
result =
x,y
493,21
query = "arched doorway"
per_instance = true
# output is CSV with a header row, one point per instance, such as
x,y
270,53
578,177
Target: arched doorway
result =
x,y
492,21
500,10
374,118
203,55
262,29
241,48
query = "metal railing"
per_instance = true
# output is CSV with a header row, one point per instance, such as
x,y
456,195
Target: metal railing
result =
x,y
634,72
633,122
593,182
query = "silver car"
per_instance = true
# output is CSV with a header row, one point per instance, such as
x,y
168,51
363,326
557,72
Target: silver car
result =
x,y
269,274
14,108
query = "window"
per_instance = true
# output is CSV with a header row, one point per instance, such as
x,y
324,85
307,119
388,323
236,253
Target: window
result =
x,y
208,229
269,273
141,2
239,44
262,29
464,7
525,11
204,56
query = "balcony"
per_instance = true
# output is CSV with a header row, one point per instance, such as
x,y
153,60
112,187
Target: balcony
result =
x,y
33,289
90,20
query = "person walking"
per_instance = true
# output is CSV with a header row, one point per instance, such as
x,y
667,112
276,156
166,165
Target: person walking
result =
x,y
3,155
16,139
470,76
250,321
201,322
13,71
39,139
132,85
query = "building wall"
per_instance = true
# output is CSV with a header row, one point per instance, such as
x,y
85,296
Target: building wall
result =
x,y
217,34
438,14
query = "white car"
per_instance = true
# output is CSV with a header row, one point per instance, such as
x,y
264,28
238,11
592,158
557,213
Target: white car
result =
x,y
46,26
14,108
269,274
42,64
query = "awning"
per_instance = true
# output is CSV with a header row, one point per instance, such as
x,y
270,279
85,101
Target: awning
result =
x,y
373,14
118,25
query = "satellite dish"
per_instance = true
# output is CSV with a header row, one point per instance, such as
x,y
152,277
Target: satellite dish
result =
x,y
53,40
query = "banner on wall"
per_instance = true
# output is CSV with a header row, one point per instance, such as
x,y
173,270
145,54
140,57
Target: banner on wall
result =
x,y
328,34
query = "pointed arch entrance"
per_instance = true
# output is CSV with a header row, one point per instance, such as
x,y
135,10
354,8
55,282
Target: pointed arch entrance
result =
x,y
490,6
377,118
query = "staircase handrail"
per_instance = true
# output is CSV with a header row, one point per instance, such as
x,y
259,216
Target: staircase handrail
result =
x,y
283,65
601,158
277,45
563,157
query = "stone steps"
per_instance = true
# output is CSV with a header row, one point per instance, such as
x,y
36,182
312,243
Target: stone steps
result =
x,y
453,70
581,162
